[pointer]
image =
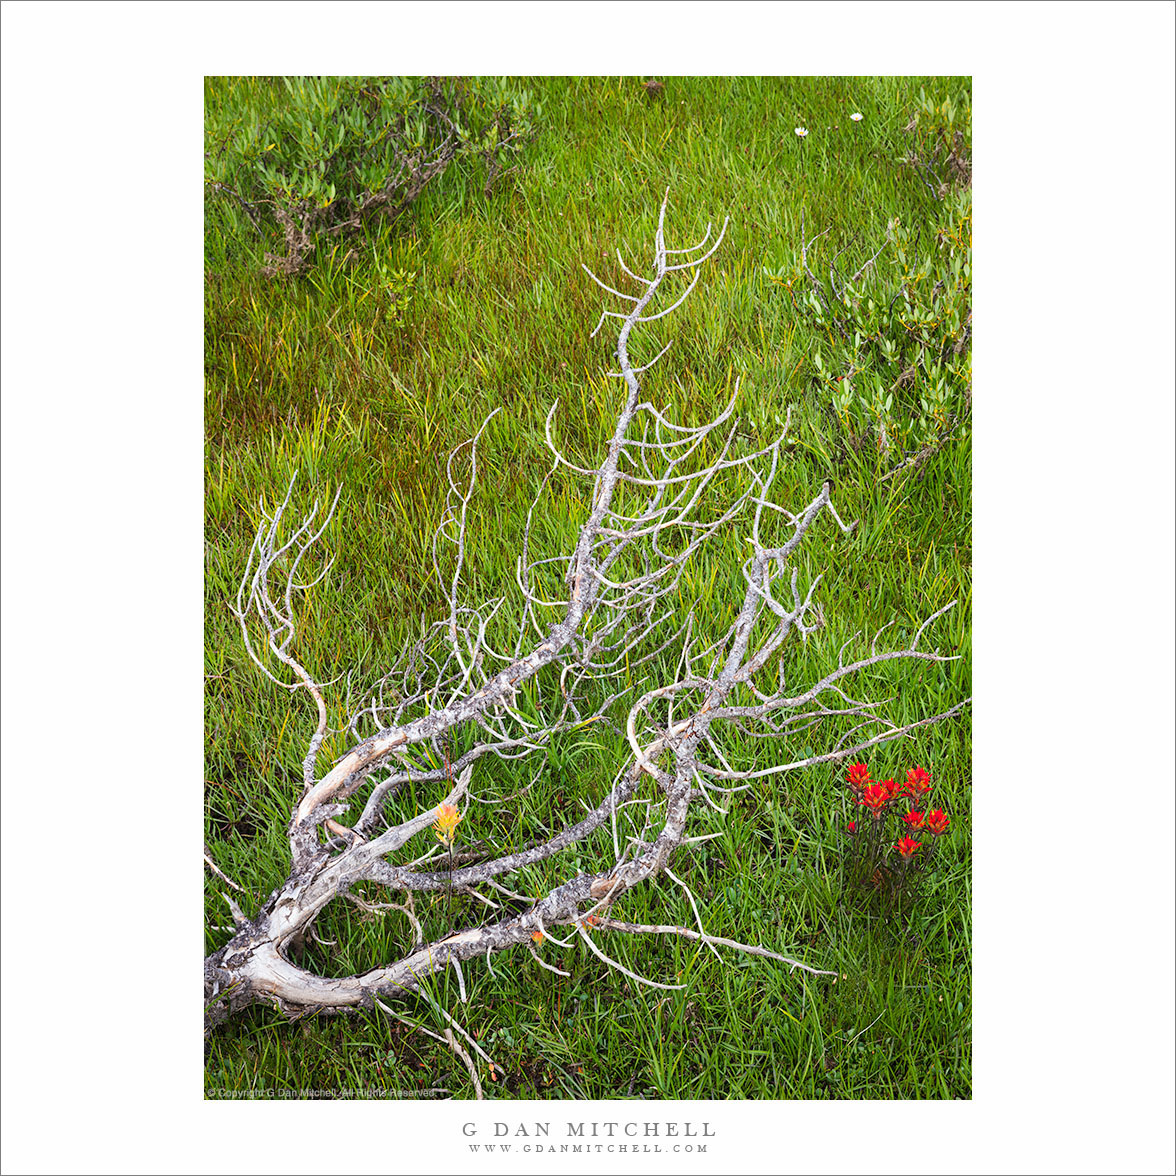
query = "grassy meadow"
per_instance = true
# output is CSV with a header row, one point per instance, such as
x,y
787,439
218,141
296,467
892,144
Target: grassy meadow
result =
x,y
362,375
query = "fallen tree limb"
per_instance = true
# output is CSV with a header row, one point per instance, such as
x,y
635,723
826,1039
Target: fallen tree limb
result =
x,y
651,509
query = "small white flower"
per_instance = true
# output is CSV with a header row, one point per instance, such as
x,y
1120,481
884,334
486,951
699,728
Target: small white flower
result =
x,y
857,117
801,132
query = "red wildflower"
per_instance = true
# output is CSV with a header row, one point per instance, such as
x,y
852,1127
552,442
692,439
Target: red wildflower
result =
x,y
858,776
537,936
907,846
917,781
852,826
937,822
875,798
915,820
892,788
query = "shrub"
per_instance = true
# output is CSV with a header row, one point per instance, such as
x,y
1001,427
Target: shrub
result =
x,y
332,154
895,367
940,144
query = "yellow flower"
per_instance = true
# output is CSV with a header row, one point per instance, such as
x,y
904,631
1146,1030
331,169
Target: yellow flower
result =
x,y
445,826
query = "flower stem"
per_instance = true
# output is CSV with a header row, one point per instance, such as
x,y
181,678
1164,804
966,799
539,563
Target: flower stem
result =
x,y
449,889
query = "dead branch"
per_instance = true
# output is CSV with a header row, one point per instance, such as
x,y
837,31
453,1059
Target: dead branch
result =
x,y
606,604
208,861
686,933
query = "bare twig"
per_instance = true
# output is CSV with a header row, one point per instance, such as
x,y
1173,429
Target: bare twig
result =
x,y
710,940
219,873
465,1057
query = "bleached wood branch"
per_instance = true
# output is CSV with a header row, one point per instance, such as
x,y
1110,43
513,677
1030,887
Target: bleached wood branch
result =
x,y
710,940
586,614
208,861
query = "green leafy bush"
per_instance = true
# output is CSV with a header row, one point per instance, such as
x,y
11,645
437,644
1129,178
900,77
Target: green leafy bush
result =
x,y
895,365
941,144
300,160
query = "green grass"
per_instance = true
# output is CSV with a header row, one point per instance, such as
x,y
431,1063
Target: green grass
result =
x,y
362,377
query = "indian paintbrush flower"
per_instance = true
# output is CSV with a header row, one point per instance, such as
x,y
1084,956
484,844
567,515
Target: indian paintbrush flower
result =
x,y
445,826
907,846
857,776
917,781
937,822
896,877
